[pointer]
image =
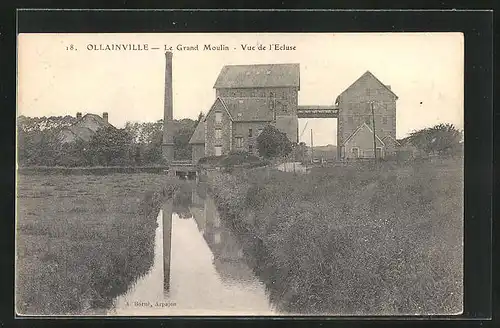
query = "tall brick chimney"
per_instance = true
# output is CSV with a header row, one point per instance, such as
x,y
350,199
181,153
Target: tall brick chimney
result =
x,y
78,115
168,114
105,116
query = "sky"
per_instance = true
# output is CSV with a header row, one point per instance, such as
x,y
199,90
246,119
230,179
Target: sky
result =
x,y
425,70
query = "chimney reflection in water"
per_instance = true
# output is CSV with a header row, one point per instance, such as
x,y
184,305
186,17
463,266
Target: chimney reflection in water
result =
x,y
167,244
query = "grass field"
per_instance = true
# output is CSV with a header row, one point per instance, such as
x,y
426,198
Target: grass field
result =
x,y
353,240
83,240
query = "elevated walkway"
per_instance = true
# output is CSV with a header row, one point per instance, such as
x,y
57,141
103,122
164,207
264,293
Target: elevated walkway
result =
x,y
317,111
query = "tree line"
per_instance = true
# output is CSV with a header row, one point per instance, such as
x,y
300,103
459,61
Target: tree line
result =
x,y
39,143
139,144
442,139
439,140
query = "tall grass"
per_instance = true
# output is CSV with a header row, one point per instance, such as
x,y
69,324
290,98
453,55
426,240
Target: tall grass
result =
x,y
83,240
353,240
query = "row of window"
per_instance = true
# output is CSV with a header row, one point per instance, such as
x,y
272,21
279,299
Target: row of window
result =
x,y
218,133
367,119
283,94
239,143
366,107
375,92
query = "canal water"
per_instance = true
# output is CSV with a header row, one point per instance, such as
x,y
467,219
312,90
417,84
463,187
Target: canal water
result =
x,y
199,268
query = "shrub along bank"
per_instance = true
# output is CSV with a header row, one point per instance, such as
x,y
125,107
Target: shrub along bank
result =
x,y
84,240
239,159
352,240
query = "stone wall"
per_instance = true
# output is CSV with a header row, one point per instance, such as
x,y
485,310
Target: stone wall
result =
x,y
210,125
241,129
286,98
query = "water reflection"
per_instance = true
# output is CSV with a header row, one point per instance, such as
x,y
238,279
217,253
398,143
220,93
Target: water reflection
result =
x,y
199,268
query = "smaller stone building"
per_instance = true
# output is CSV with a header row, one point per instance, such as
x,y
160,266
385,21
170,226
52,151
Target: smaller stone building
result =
x,y
391,145
360,144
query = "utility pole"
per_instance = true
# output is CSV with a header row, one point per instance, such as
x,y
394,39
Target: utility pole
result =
x,y
374,137
312,147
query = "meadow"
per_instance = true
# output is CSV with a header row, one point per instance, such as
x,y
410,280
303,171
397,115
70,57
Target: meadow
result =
x,y
360,239
82,240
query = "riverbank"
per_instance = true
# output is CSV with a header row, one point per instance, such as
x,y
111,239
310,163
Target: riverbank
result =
x,y
93,170
83,240
353,240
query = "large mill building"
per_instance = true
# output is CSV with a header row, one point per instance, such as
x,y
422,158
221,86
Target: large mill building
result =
x,y
248,97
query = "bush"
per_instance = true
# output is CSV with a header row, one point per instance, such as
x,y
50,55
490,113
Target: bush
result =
x,y
273,143
236,158
352,240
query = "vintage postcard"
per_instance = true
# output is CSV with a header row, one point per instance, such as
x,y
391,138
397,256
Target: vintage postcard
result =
x,y
240,174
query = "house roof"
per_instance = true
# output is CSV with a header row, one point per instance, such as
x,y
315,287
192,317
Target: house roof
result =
x,y
244,109
96,117
198,136
80,132
85,132
369,74
389,137
259,76
359,128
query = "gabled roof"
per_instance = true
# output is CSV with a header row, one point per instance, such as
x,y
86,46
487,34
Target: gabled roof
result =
x,y
198,136
96,118
369,74
389,137
359,128
245,109
218,99
259,76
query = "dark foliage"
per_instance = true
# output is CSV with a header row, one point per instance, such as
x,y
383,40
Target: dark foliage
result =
x,y
441,139
39,143
353,240
273,143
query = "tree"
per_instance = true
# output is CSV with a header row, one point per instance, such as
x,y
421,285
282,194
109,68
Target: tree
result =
x,y
74,154
110,146
200,117
440,139
38,140
146,141
148,137
183,130
272,143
